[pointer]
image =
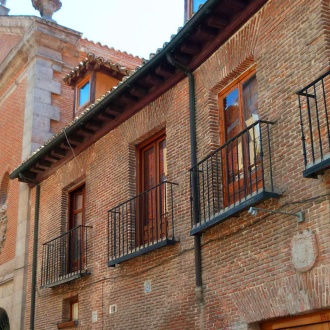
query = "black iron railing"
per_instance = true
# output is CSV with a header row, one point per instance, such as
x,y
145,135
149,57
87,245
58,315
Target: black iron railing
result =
x,y
64,258
314,121
141,224
234,176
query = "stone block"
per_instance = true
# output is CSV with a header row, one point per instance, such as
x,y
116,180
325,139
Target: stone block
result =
x,y
39,138
42,96
49,53
46,111
41,123
44,72
52,86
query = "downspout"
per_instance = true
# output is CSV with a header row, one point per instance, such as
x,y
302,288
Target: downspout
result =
x,y
35,249
193,161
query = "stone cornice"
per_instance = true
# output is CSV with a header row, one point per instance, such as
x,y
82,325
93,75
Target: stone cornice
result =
x,y
35,32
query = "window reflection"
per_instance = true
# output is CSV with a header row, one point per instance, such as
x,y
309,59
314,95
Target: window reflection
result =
x,y
84,93
196,4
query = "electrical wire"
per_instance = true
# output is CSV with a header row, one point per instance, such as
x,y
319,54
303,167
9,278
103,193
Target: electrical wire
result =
x,y
74,155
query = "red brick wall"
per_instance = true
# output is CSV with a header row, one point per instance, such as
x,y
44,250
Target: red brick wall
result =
x,y
248,275
12,107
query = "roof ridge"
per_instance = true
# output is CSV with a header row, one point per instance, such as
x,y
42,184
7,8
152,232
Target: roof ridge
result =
x,y
111,48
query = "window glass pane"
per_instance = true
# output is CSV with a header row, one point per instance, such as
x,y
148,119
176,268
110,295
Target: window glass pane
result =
x,y
84,92
162,161
149,168
196,4
232,117
250,100
250,108
78,202
74,311
77,219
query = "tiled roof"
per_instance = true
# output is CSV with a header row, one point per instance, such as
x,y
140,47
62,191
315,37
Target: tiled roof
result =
x,y
92,62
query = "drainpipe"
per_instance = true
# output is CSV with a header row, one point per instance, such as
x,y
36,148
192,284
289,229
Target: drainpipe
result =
x,y
193,161
35,249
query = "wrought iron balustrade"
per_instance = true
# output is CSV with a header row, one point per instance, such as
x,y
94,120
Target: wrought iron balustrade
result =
x,y
64,258
141,224
314,121
234,177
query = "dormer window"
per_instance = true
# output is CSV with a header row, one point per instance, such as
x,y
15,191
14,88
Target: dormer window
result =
x,y
93,78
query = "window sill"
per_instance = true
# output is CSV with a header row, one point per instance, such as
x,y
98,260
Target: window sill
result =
x,y
68,324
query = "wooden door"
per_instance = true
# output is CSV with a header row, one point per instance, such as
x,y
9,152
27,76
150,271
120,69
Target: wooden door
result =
x,y
314,321
320,326
152,205
241,153
76,241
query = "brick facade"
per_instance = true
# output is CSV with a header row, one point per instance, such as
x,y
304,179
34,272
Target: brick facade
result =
x,y
35,103
249,272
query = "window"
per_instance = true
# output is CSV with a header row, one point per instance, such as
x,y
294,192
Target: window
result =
x,y
196,4
74,309
83,93
76,229
152,172
191,7
238,111
70,313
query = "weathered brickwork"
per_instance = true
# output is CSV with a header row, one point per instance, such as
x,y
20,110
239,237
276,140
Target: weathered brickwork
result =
x,y
35,103
247,265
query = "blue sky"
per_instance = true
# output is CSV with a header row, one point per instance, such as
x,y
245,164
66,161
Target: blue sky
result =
x,y
138,27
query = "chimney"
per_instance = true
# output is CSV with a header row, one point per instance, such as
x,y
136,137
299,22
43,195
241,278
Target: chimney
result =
x,y
3,10
46,8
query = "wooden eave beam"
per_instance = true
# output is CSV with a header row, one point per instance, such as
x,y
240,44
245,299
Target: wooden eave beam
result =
x,y
182,58
205,32
114,109
190,48
218,22
94,124
65,145
128,99
36,170
165,70
76,139
153,79
58,152
237,5
138,91
104,116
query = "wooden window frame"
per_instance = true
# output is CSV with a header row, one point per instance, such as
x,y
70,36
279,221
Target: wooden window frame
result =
x,y
238,82
73,301
70,225
234,174
88,78
70,193
153,140
139,151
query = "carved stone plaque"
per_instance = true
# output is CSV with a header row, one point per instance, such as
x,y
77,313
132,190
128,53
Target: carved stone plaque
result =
x,y
304,250
3,225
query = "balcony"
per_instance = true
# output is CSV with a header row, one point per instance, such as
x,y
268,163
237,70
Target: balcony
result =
x,y
141,224
314,122
234,177
65,258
